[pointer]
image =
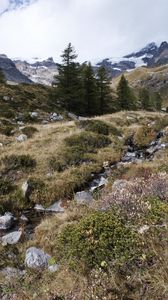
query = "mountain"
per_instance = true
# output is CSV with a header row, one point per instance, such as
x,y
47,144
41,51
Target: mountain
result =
x,y
38,71
10,71
149,56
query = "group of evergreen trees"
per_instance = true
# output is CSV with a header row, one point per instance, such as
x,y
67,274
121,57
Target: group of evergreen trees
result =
x,y
79,89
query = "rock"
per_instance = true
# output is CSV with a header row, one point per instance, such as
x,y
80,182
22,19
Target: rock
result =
x,y
56,207
25,189
36,258
39,207
56,117
34,114
6,221
54,268
99,183
21,138
129,157
143,229
6,98
72,116
11,238
10,272
1,145
119,184
24,219
83,197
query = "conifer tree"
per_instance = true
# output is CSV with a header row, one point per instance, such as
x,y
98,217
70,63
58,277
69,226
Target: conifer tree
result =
x,y
104,92
145,99
68,81
2,77
157,101
90,98
126,98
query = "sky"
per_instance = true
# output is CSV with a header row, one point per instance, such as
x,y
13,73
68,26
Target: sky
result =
x,y
97,28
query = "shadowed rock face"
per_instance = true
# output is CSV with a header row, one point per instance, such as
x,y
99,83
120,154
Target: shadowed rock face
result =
x,y
11,72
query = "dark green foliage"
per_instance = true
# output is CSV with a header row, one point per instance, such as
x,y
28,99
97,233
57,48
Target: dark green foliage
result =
x,y
29,131
90,96
19,162
7,130
104,92
157,101
126,98
2,77
68,90
88,141
96,239
145,99
99,127
5,186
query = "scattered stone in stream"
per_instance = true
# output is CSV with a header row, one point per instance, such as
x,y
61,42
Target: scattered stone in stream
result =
x,y
11,238
55,208
6,221
24,219
38,259
21,138
83,197
98,183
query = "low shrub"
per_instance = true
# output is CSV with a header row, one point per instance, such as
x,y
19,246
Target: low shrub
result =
x,y
29,131
87,141
8,130
144,136
6,186
19,162
96,239
99,127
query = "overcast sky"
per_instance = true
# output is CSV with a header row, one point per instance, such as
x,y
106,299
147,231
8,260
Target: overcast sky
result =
x,y
97,28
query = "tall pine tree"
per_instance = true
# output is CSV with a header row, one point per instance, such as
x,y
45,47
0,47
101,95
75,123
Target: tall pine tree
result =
x,y
104,92
90,91
145,99
126,98
68,81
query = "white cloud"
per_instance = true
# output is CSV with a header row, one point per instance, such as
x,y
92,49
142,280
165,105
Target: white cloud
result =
x,y
97,28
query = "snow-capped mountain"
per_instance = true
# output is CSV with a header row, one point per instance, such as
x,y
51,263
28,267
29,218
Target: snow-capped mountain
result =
x,y
38,70
149,56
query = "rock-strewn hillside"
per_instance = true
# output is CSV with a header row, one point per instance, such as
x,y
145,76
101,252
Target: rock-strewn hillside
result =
x,y
84,208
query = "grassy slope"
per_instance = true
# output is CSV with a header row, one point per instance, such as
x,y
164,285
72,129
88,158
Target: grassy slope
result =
x,y
152,78
146,278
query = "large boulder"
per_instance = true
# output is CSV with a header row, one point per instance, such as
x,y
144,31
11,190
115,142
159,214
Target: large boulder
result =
x,y
36,258
6,221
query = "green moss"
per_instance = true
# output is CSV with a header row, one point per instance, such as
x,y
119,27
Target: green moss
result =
x,y
96,238
19,162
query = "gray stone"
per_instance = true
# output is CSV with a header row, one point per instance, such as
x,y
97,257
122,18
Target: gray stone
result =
x,y
11,238
39,207
10,272
21,138
83,197
25,189
36,258
72,116
56,207
6,98
54,268
34,114
99,183
23,218
6,221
